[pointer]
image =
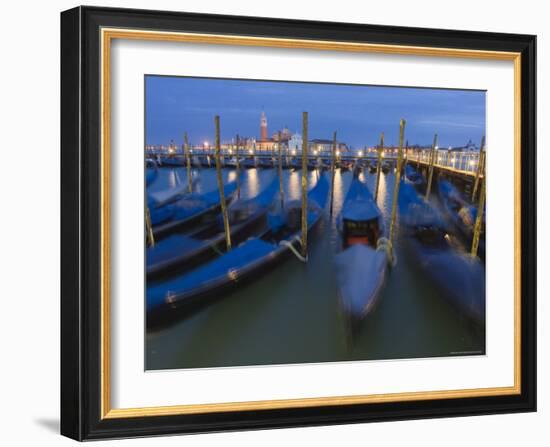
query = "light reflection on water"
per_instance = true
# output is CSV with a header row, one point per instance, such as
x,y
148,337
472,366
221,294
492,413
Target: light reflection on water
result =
x,y
291,314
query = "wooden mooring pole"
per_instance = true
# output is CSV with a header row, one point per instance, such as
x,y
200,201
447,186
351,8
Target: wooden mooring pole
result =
x,y
188,162
223,204
281,191
480,167
378,166
149,227
479,217
397,184
332,171
238,166
405,155
304,183
431,169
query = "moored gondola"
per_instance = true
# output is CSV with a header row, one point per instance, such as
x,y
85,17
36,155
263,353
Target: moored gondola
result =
x,y
189,210
151,171
461,214
459,277
182,295
360,265
414,177
185,251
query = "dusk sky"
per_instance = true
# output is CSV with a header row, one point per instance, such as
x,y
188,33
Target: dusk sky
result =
x,y
358,113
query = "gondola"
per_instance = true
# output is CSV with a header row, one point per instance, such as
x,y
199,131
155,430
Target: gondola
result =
x,y
232,162
151,171
360,265
248,163
346,165
189,210
158,199
459,277
186,251
385,167
296,163
246,262
414,177
173,161
373,167
266,163
461,214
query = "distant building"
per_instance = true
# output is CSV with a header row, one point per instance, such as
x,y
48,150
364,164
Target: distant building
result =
x,y
468,147
265,144
324,147
295,143
263,128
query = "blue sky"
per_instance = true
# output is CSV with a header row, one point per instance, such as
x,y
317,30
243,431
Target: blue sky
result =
x,y
358,113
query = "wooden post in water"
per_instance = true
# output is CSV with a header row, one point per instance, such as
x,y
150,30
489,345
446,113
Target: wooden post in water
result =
x,y
332,171
431,169
479,217
480,166
149,227
238,167
223,204
405,155
397,184
281,191
188,160
304,183
378,166
254,154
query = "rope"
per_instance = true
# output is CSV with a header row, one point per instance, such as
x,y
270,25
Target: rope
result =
x,y
386,246
289,245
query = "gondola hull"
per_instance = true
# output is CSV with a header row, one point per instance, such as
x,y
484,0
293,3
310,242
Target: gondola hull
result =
x,y
191,210
458,277
183,252
200,287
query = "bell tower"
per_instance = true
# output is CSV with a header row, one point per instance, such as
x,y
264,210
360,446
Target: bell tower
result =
x,y
263,127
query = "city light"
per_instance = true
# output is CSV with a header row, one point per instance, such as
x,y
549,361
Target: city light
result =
x,y
337,153
206,145
250,151
472,162
360,153
230,151
315,151
293,151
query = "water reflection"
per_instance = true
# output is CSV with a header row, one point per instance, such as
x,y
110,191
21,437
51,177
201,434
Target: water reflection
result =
x,y
173,178
231,176
253,182
382,193
294,185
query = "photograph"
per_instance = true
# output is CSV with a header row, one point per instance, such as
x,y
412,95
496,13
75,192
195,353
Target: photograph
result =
x,y
272,222
307,222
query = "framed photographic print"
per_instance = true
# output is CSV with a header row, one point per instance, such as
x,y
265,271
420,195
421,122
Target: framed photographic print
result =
x,y
276,223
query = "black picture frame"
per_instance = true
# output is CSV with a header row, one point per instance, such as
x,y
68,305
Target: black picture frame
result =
x,y
81,218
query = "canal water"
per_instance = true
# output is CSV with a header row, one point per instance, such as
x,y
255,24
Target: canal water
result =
x,y
292,313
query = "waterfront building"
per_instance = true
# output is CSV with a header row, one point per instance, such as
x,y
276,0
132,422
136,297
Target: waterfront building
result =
x,y
295,143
